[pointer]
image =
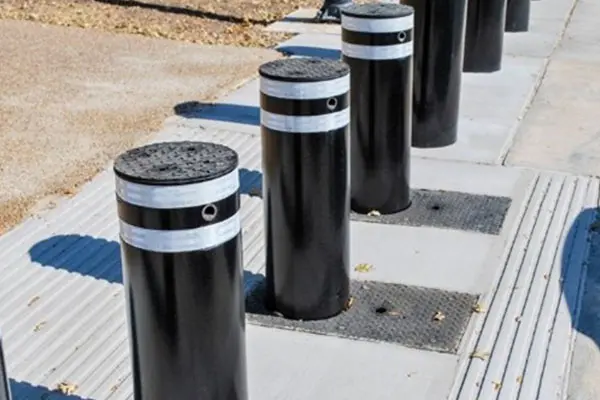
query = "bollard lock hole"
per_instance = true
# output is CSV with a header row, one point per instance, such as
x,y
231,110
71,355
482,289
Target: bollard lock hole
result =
x,y
402,37
332,103
381,310
436,207
209,212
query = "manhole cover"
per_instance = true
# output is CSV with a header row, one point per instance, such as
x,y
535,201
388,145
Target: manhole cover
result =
x,y
417,317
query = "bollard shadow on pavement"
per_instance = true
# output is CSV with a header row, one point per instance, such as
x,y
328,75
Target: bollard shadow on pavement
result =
x,y
583,301
250,182
310,51
27,391
92,257
223,112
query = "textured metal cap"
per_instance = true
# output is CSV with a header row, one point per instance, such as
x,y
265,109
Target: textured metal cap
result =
x,y
304,69
378,10
175,163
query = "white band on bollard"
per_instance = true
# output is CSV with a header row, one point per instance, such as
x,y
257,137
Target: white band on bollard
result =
x,y
377,25
305,123
180,196
305,90
390,52
180,241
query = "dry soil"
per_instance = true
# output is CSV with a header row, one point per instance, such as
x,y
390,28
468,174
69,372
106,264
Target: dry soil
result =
x,y
237,22
72,99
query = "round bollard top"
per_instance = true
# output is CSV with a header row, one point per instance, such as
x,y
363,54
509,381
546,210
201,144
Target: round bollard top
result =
x,y
377,10
175,163
304,70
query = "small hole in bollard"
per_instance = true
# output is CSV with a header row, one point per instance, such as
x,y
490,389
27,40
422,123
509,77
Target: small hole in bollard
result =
x,y
209,212
436,207
401,37
332,103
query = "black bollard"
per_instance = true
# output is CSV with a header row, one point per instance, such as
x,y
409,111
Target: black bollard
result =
x,y
377,45
330,10
517,15
438,62
178,205
304,119
4,384
484,35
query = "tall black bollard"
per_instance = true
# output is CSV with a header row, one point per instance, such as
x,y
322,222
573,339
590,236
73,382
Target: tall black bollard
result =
x,y
484,35
377,45
178,205
4,384
517,15
438,63
304,119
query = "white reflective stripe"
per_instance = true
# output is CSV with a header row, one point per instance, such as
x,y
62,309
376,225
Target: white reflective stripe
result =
x,y
377,25
180,196
305,124
390,52
180,241
305,90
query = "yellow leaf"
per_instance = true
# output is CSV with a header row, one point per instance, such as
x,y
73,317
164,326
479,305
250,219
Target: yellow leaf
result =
x,y
66,388
363,267
349,303
38,327
482,355
478,308
374,213
497,385
439,316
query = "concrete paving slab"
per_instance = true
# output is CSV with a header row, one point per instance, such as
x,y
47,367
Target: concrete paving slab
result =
x,y
321,367
560,131
429,257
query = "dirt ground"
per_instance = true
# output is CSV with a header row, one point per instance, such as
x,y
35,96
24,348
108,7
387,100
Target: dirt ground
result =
x,y
236,22
72,99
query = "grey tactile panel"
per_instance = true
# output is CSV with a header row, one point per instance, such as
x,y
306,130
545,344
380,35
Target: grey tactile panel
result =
x,y
522,344
415,317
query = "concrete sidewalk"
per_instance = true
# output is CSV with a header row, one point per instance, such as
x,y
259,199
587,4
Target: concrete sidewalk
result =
x,y
519,245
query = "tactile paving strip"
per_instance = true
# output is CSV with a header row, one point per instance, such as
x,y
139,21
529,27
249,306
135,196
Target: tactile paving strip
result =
x,y
452,210
421,318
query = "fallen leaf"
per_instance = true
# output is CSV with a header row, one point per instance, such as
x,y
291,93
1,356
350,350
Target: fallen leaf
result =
x,y
394,313
66,388
349,303
478,308
439,316
363,267
519,379
482,355
497,385
518,318
546,276
374,213
33,300
38,327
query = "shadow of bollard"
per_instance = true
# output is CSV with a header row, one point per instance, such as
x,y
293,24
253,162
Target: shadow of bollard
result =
x,y
236,113
27,391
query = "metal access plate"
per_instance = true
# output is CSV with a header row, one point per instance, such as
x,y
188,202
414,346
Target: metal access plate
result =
x,y
453,210
416,317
